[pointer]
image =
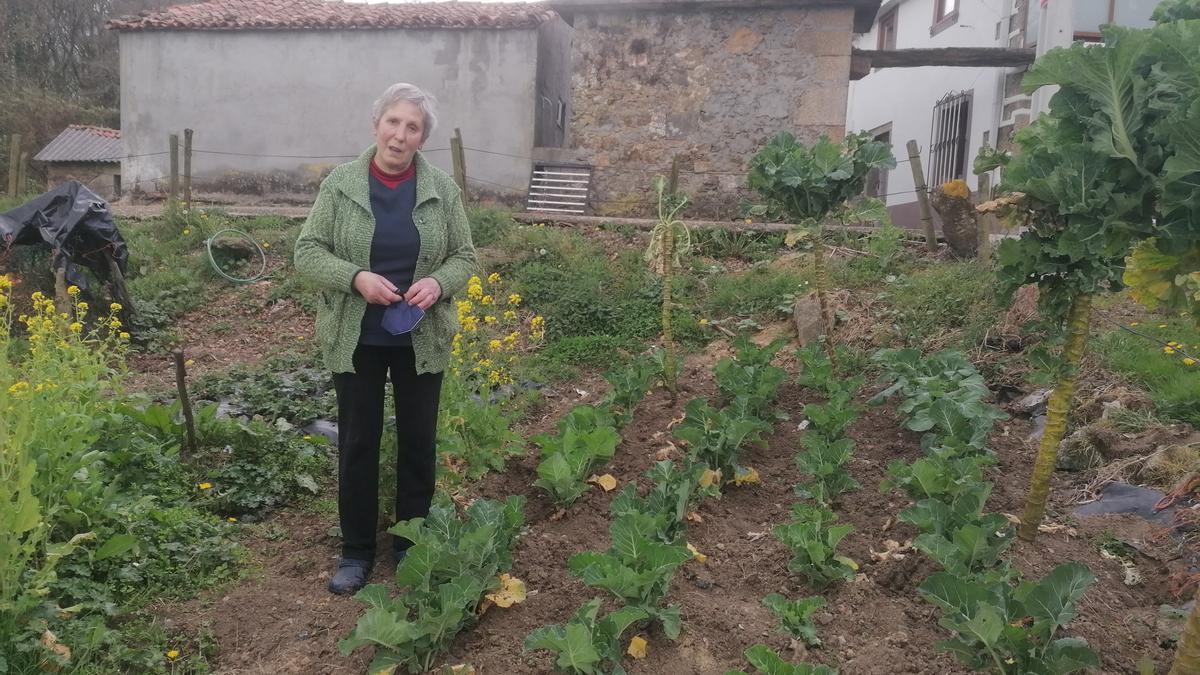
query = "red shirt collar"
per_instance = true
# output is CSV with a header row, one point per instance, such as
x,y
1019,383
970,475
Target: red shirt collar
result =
x,y
391,180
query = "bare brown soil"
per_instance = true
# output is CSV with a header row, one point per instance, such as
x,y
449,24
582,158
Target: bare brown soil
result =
x,y
283,620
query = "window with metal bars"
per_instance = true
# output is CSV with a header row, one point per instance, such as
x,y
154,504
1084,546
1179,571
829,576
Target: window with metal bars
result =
x,y
949,138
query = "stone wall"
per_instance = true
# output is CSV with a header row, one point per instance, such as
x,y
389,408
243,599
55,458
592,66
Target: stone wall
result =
x,y
708,86
101,178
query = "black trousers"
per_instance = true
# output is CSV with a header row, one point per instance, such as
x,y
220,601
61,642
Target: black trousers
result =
x,y
360,397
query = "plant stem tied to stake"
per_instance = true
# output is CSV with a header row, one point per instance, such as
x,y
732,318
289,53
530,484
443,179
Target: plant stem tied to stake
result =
x,y
1056,417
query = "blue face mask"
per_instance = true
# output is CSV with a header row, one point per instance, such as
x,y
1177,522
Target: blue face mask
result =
x,y
401,317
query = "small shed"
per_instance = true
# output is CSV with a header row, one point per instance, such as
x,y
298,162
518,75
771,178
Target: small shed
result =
x,y
91,155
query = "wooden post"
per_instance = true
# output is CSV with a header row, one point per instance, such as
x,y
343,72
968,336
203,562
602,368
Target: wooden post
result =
x,y
187,167
984,221
22,174
914,156
173,200
120,290
14,161
460,162
62,300
185,403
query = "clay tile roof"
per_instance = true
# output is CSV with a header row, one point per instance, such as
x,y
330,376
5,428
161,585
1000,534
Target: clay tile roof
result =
x,y
334,15
82,143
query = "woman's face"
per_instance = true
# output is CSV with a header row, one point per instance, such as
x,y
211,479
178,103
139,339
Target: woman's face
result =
x,y
398,136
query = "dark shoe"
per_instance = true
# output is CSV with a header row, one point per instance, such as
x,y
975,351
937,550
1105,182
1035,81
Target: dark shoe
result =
x,y
351,575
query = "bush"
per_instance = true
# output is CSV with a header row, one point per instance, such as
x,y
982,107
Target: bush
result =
x,y
953,303
488,224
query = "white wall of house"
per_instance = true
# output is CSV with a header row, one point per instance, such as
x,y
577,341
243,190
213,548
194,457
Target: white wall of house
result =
x,y
905,97
309,94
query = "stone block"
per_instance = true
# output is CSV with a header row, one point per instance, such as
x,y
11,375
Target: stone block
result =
x,y
807,317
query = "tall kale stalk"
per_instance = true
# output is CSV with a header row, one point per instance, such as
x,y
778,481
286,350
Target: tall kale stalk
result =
x,y
670,240
811,185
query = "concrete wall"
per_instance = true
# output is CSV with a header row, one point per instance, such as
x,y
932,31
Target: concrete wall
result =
x,y
708,86
905,97
309,93
553,84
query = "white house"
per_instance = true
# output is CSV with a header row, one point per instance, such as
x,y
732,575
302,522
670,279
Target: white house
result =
x,y
952,111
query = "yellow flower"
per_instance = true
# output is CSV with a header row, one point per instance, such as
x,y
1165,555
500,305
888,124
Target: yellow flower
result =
x,y
470,324
173,654
749,220
1189,361
494,278
1168,350
114,324
187,231
474,280
495,345
266,245
72,290
204,486
703,322
124,335
510,315
231,519
5,282
1134,323
475,291
189,362
486,300
307,437
514,299
511,338
75,327
81,306
489,319
1162,325
537,321
18,387
115,307
465,307
38,297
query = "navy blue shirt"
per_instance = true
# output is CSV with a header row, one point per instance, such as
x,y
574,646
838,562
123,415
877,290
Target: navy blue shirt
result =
x,y
394,248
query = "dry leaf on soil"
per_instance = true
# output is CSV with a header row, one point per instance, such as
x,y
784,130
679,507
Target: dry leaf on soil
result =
x,y
637,647
700,557
746,476
607,482
511,592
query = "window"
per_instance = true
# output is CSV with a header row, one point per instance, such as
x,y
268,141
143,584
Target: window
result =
x,y
877,179
945,13
887,30
949,138
1090,16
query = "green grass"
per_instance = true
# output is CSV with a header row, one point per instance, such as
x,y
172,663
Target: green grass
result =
x,y
760,292
1173,386
488,224
950,303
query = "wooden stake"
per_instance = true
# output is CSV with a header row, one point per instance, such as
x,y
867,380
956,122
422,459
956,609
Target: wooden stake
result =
x,y
120,290
914,156
62,299
985,221
185,403
14,161
187,167
22,174
460,162
173,200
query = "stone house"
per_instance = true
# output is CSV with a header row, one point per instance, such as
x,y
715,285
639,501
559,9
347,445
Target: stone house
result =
x,y
706,81
279,91
88,154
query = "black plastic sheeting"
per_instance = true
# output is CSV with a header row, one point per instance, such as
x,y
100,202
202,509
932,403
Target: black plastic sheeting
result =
x,y
78,226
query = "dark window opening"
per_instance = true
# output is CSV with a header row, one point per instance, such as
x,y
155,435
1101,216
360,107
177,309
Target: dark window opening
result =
x,y
887,30
949,139
877,179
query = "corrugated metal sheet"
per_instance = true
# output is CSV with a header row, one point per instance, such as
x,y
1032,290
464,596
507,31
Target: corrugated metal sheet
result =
x,y
80,143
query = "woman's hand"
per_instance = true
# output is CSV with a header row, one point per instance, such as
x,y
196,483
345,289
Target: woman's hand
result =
x,y
424,293
376,289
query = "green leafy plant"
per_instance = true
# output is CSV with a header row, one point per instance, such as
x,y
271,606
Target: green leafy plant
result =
x,y
453,562
795,616
811,184
585,438
768,662
475,433
637,568
748,380
940,474
674,489
829,420
1009,630
813,538
716,437
587,643
629,387
293,387
825,461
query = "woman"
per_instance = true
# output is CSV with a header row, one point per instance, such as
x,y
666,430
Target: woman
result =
x,y
388,243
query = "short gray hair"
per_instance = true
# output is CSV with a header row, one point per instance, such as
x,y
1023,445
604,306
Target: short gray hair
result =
x,y
403,91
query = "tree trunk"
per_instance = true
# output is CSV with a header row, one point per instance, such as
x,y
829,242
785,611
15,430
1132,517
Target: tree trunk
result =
x,y
1056,417
822,284
1187,654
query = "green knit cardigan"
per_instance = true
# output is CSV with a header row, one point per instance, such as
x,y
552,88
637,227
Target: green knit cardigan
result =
x,y
335,244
